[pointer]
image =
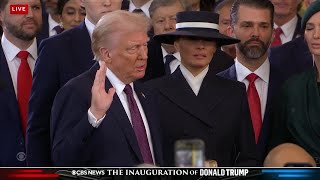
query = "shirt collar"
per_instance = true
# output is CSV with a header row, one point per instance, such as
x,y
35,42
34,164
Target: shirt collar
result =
x,y
11,51
52,23
116,82
90,26
144,8
289,27
176,54
194,81
263,71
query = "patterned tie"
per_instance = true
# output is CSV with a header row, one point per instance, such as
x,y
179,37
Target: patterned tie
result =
x,y
169,58
277,40
24,87
138,126
254,105
58,29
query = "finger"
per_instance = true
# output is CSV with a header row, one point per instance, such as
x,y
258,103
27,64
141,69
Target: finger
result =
x,y
96,81
111,92
102,75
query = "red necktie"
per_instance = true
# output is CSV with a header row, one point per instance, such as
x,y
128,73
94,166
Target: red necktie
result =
x,y
24,87
254,105
138,126
277,40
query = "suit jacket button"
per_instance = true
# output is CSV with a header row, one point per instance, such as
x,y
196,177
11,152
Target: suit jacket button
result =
x,y
21,156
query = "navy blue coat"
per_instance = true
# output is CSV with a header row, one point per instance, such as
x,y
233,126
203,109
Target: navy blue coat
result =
x,y
12,149
113,143
275,82
292,58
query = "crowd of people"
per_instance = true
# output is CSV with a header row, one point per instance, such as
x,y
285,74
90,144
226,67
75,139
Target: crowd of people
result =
x,y
118,82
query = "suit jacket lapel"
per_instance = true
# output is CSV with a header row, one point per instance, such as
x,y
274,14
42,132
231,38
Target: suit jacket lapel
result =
x,y
232,73
152,118
275,82
210,92
179,92
117,111
81,47
7,93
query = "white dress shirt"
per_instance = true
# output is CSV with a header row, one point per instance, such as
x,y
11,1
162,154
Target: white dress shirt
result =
x,y
90,26
119,86
262,83
194,81
175,63
144,8
52,23
288,30
11,51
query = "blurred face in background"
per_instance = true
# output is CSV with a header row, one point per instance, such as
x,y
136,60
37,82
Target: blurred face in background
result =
x,y
72,14
189,5
164,18
224,23
95,9
285,8
224,19
51,6
312,34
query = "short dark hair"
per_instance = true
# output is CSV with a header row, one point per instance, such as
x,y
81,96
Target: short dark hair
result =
x,y
161,3
260,4
223,4
60,6
3,4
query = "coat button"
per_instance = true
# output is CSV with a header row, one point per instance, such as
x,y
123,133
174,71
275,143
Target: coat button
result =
x,y
21,156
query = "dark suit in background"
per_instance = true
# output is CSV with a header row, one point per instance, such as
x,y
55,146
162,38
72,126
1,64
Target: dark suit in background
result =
x,y
291,58
219,115
275,82
155,67
297,31
45,28
72,55
113,143
11,139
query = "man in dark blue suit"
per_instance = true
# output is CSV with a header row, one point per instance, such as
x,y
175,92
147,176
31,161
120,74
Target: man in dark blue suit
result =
x,y
255,33
61,58
104,118
18,53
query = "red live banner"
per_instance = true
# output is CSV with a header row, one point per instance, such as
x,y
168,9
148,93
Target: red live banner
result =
x,y
19,9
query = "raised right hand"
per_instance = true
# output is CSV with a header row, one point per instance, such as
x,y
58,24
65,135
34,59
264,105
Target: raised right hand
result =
x,y
101,100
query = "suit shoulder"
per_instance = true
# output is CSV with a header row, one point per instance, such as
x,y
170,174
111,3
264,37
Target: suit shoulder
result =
x,y
287,46
63,39
80,84
230,83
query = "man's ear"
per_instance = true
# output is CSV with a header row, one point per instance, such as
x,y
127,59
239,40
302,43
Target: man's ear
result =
x,y
273,35
105,55
82,3
230,31
176,45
